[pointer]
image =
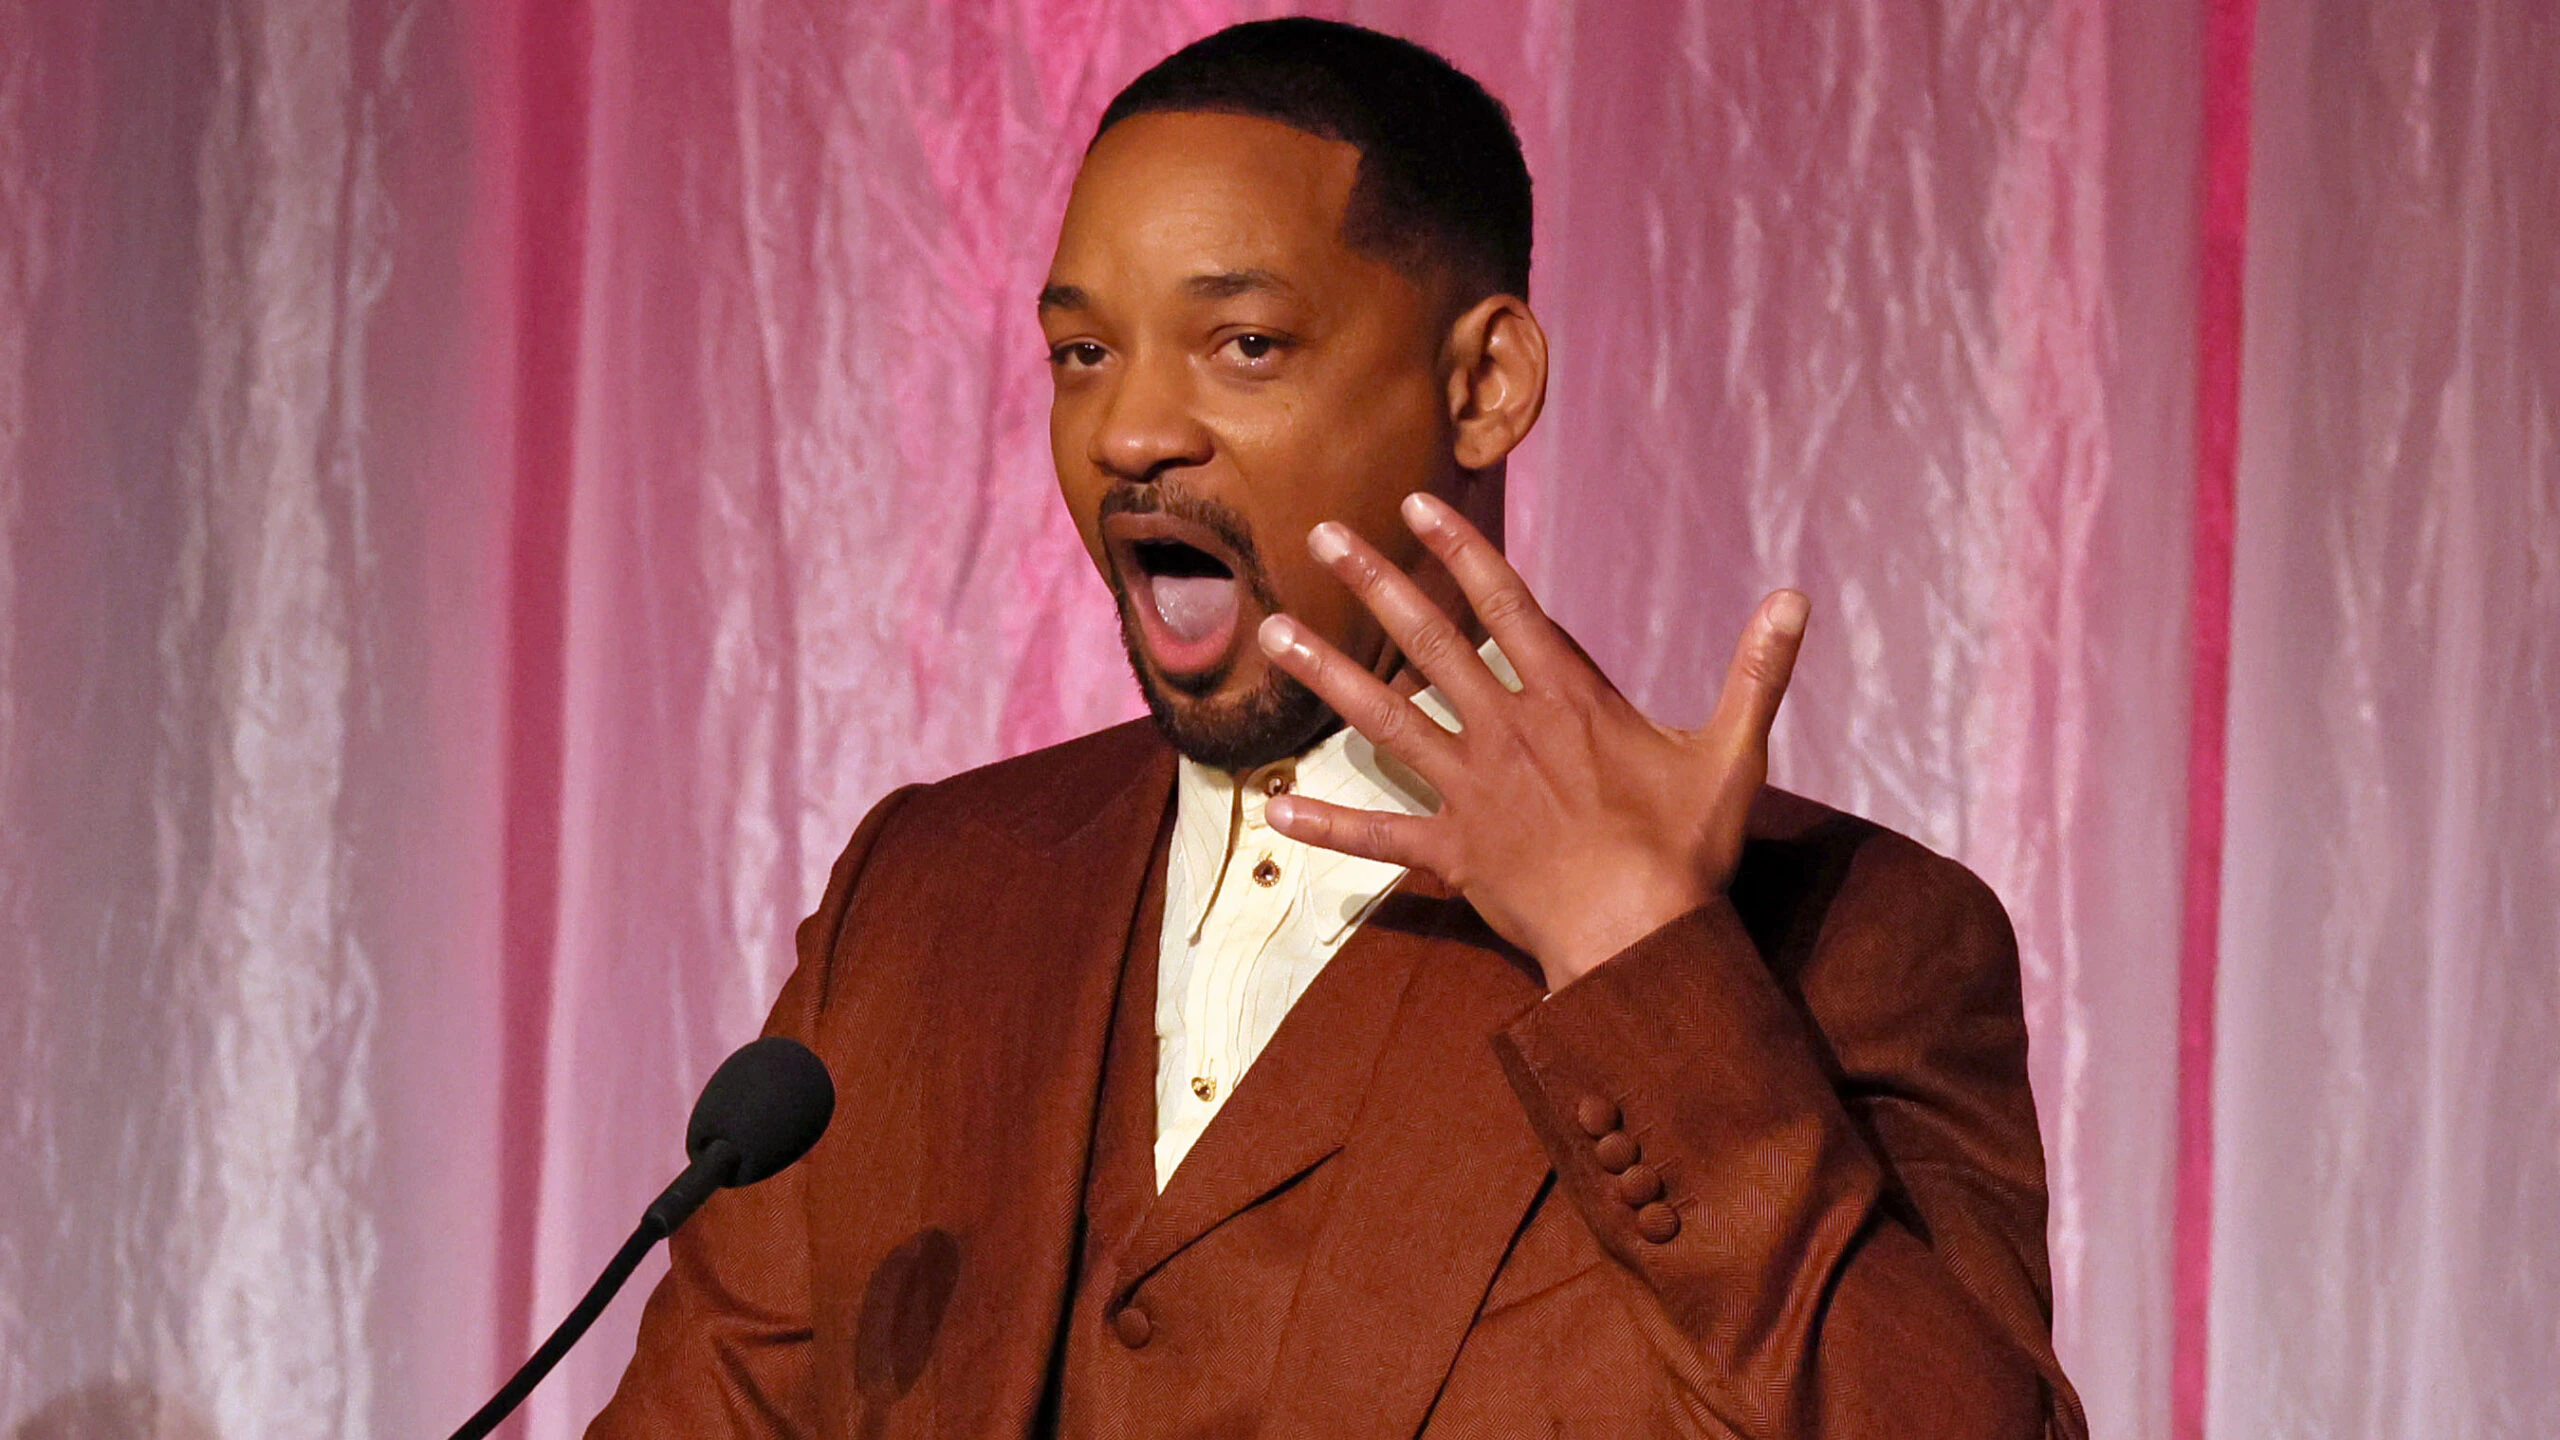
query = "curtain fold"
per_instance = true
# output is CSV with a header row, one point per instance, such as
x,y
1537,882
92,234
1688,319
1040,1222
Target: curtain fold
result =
x,y
2388,1083
247,580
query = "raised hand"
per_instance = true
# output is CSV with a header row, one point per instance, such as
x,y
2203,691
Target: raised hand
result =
x,y
1571,821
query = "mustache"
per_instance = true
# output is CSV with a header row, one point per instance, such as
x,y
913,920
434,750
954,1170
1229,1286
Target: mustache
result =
x,y
1224,521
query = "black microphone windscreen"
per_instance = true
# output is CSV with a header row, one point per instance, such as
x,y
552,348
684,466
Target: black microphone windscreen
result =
x,y
771,1101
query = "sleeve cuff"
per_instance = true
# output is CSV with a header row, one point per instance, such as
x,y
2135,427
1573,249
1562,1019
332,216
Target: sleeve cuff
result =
x,y
1679,1057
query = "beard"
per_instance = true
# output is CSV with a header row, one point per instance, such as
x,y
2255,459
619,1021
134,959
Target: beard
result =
x,y
1273,721
1276,718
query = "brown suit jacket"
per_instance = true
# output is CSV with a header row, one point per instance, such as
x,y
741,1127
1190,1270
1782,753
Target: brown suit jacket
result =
x,y
1773,1171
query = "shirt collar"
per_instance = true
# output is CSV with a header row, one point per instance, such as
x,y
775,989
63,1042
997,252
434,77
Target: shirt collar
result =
x,y
1343,769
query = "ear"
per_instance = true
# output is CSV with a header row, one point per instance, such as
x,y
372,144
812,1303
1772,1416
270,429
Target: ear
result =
x,y
1497,356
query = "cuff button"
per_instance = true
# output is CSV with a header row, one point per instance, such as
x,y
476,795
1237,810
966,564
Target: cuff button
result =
x,y
1641,1185
1596,1116
1658,1223
1616,1151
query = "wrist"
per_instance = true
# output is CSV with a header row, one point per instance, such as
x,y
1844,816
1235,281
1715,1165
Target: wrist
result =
x,y
1609,927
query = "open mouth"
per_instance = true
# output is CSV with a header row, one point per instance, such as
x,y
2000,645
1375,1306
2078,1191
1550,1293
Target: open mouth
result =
x,y
1181,580
1194,591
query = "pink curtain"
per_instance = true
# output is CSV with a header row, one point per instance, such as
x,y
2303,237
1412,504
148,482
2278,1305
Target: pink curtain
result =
x,y
490,492
2386,1259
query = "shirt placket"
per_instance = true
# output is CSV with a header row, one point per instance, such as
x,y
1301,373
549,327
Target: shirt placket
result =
x,y
1259,882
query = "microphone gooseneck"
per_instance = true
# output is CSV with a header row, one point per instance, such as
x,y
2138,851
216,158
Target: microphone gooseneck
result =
x,y
716,1168
761,1110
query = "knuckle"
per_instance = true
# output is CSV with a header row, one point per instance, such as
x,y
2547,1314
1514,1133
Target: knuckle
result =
x,y
1391,718
1567,710
1766,664
1451,866
1503,605
1435,643
1582,690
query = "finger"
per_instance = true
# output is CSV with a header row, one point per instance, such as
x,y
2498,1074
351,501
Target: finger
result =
x,y
1763,662
1370,834
1421,630
1392,722
1537,647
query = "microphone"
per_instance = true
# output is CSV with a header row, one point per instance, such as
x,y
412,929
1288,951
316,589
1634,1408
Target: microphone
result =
x,y
762,1109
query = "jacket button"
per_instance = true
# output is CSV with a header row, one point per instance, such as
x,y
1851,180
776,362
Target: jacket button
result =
x,y
1596,1116
1616,1151
1132,1326
1640,1185
1658,1223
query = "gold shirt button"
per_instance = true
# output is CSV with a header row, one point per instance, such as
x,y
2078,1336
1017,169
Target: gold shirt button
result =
x,y
1267,874
1276,785
1204,1087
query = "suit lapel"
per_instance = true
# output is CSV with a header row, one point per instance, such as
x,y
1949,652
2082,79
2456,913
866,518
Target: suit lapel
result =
x,y
1026,972
1439,1167
1292,1109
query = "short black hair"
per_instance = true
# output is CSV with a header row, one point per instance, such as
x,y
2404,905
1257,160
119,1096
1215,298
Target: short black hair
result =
x,y
1442,189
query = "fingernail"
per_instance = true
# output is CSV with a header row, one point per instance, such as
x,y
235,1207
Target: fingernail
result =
x,y
1278,634
1423,512
1329,542
1278,811
1788,612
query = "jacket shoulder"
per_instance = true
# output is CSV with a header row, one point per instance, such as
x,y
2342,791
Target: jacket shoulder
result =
x,y
1047,795
1814,878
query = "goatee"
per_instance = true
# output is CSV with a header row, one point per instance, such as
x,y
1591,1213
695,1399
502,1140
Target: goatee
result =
x,y
1277,718
1273,721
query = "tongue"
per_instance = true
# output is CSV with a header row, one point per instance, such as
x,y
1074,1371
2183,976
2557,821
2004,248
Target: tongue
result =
x,y
1194,607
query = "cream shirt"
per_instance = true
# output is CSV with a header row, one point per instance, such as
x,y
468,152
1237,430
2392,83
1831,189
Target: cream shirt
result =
x,y
1251,916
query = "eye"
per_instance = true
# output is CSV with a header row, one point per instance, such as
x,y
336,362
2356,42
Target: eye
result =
x,y
1076,355
1255,348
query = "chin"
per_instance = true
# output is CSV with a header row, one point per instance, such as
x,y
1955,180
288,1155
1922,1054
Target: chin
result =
x,y
1208,720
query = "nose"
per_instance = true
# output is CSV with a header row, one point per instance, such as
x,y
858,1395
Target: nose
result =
x,y
1147,424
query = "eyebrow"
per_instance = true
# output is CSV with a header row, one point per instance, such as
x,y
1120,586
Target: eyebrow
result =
x,y
1228,284
1222,285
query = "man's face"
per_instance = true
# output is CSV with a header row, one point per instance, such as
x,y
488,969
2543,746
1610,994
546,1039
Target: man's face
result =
x,y
1229,373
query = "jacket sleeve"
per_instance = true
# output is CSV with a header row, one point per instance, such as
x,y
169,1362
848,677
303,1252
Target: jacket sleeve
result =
x,y
724,1342
1828,1175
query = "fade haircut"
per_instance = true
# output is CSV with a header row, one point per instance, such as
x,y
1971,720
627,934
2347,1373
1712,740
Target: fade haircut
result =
x,y
1442,191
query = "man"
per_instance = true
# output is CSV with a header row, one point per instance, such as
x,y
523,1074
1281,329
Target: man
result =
x,y
1502,1064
